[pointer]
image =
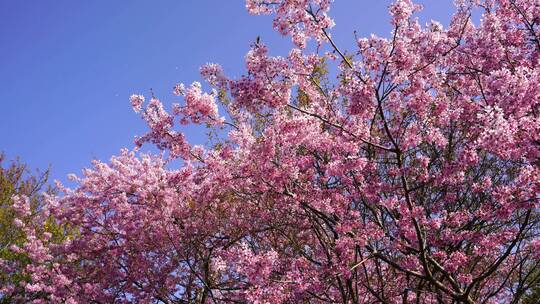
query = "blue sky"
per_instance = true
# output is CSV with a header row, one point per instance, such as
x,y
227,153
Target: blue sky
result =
x,y
68,67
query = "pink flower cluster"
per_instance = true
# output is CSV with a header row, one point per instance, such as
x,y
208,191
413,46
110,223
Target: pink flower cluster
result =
x,y
300,19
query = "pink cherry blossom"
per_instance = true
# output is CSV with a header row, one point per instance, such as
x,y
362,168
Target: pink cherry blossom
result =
x,y
409,174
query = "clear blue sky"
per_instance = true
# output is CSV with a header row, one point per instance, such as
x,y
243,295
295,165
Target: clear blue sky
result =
x,y
68,67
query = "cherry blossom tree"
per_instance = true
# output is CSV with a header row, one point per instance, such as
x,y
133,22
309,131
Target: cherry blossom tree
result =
x,y
24,221
410,176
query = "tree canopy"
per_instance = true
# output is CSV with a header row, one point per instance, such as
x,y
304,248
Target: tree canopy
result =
x,y
411,176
